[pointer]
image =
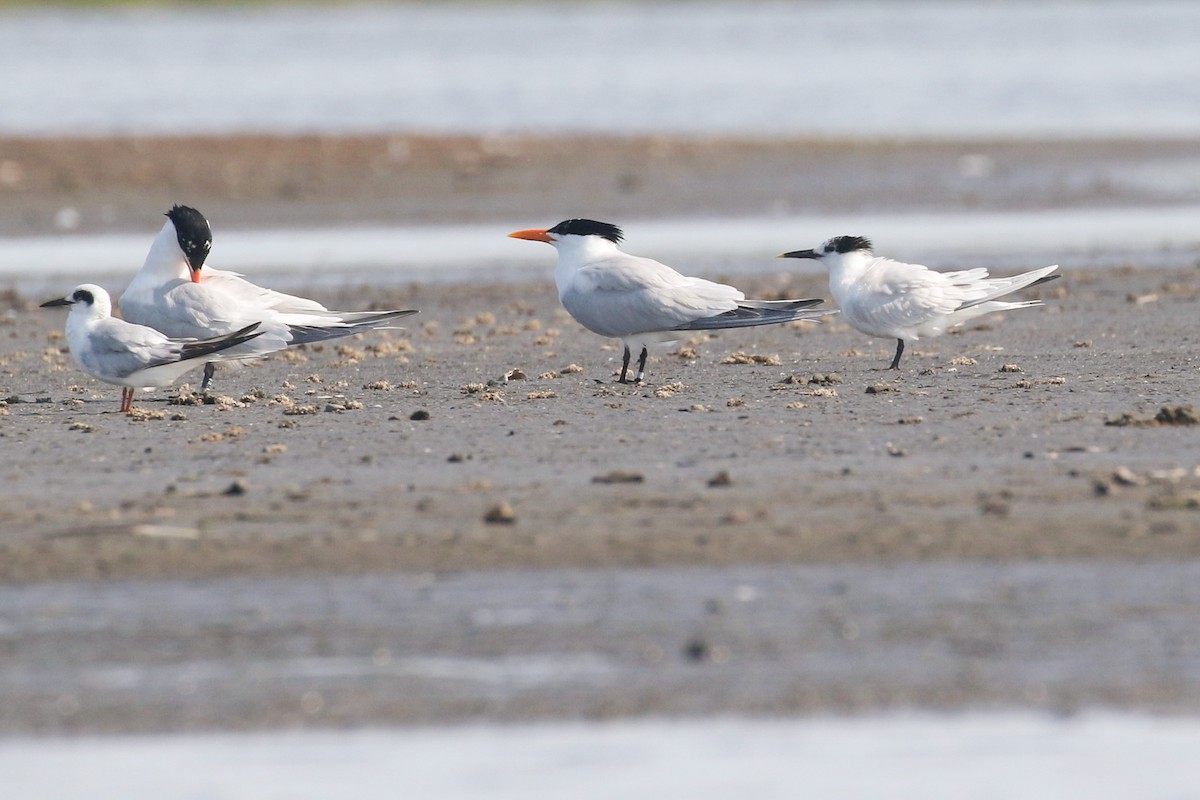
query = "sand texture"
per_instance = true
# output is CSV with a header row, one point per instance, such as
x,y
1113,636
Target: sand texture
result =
x,y
488,444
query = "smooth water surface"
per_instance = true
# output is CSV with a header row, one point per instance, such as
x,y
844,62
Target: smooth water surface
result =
x,y
898,68
1076,238
982,756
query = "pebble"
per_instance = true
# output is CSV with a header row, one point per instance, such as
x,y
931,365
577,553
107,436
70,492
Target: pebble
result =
x,y
720,479
619,476
500,514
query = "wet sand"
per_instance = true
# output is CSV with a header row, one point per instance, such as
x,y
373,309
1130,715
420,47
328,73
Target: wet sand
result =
x,y
106,185
1027,437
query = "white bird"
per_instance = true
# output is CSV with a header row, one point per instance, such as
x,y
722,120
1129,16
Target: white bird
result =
x,y
134,356
170,294
905,302
642,302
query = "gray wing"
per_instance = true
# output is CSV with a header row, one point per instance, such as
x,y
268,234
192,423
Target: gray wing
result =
x,y
117,349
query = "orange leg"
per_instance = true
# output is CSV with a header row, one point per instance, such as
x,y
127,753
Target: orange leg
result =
x,y
126,400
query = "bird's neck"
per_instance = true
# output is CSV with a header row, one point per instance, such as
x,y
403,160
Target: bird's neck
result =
x,y
80,322
165,260
849,269
575,254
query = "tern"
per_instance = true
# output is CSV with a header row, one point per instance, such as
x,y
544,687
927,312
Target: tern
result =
x,y
905,302
175,293
134,356
642,302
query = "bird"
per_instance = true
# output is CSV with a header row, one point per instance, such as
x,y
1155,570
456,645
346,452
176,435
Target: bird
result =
x,y
641,301
174,292
134,356
906,302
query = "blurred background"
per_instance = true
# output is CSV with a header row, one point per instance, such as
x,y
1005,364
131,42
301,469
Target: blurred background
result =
x,y
1025,127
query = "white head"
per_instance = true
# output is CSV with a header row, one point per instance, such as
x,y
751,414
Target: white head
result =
x,y
832,251
86,300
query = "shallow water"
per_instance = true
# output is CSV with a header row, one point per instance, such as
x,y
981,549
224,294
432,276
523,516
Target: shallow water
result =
x,y
568,644
986,756
912,68
1075,238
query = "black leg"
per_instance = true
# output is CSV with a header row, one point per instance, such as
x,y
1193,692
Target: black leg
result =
x,y
624,366
899,352
641,366
209,369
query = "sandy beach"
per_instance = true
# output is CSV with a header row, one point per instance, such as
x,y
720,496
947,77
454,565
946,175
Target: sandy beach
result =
x,y
489,438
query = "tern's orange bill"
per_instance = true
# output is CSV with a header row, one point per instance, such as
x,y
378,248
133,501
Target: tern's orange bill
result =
x,y
533,235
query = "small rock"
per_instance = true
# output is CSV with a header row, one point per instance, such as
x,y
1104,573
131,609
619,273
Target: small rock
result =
x,y
752,358
516,375
1177,415
1126,477
880,388
500,514
1010,368
137,414
299,411
619,476
994,506
697,650
1176,501
419,415
236,488
720,479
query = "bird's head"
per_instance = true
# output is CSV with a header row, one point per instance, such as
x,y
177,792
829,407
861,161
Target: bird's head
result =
x,y
194,236
87,297
833,248
572,230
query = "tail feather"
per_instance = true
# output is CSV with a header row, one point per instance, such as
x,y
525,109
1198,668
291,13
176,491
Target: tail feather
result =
x,y
1003,286
348,324
753,313
216,344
